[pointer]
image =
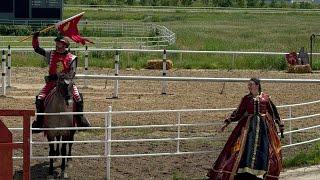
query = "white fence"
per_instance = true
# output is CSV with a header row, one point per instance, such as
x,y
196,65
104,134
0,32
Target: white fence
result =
x,y
7,74
109,35
213,126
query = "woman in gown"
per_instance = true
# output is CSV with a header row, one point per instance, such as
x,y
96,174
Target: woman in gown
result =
x,y
253,149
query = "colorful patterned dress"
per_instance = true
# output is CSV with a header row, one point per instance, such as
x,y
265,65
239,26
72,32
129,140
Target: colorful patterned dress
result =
x,y
253,146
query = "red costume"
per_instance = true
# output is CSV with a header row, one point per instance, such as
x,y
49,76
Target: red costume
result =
x,y
58,63
253,147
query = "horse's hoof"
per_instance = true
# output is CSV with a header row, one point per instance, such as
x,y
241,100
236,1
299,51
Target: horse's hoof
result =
x,y
50,177
64,175
69,165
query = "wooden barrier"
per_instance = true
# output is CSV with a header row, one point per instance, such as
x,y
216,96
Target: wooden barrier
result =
x,y
6,144
6,164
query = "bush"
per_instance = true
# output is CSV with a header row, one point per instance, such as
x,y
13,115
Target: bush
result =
x,y
15,30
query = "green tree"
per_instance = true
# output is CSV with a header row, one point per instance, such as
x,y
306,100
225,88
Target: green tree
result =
x,y
165,2
205,2
110,2
120,2
144,2
130,2
273,4
262,3
155,2
186,2
252,3
222,3
174,2
283,4
241,3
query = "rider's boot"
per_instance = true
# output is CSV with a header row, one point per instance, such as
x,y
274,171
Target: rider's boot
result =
x,y
38,123
81,120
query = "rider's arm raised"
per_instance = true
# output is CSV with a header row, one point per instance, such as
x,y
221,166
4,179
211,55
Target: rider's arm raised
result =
x,y
36,45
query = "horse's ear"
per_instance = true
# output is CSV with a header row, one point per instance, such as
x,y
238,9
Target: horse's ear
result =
x,y
74,64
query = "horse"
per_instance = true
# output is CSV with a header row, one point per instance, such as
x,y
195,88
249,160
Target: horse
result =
x,y
60,100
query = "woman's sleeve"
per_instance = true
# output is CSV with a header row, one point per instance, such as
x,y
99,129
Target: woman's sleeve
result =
x,y
275,114
239,112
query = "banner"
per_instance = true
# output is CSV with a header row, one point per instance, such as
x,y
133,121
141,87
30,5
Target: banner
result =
x,y
69,28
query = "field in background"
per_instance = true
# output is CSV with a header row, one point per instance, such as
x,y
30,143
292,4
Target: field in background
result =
x,y
224,30
216,31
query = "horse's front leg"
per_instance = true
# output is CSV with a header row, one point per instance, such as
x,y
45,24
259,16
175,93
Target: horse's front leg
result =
x,y
51,153
63,162
58,146
72,132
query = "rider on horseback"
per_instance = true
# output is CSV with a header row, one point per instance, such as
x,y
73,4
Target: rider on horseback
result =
x,y
60,61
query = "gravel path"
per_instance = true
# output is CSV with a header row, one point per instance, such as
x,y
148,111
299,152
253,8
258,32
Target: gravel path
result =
x,y
305,173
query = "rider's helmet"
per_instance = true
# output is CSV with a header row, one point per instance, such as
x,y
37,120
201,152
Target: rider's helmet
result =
x,y
62,39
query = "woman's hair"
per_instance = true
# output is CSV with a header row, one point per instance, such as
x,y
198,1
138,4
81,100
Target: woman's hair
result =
x,y
257,82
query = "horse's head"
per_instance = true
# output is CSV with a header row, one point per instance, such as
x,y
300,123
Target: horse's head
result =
x,y
65,87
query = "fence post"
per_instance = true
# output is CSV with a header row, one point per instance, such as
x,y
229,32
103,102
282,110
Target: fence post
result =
x,y
164,72
179,128
86,66
107,141
9,66
290,125
26,147
116,73
233,59
3,73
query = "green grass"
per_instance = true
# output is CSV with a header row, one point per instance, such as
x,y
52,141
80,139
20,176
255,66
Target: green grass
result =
x,y
228,31
304,158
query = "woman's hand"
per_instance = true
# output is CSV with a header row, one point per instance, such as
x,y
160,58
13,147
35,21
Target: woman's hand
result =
x,y
227,121
281,127
223,127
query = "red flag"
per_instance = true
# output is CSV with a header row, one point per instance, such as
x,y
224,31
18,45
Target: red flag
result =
x,y
69,28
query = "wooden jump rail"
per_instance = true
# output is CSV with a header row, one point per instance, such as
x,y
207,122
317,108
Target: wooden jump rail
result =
x,y
7,146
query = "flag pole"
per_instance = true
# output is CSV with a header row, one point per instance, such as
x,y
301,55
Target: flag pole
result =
x,y
41,31
66,20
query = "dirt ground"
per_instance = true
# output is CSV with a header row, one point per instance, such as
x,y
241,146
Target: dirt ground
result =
x,y
146,95
305,173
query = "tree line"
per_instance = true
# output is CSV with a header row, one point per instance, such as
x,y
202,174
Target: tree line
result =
x,y
205,3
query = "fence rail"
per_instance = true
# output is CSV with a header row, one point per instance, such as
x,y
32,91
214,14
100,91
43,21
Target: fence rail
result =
x,y
108,128
109,115
86,51
109,35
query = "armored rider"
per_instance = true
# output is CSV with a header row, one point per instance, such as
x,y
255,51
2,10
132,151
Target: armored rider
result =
x,y
59,61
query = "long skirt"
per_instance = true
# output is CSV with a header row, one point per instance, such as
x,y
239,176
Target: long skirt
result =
x,y
253,147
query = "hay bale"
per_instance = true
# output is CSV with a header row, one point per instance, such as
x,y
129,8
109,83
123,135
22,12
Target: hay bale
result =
x,y
299,68
157,64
